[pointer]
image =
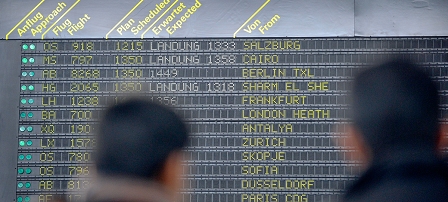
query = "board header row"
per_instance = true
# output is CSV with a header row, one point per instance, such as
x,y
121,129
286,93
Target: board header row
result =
x,y
54,19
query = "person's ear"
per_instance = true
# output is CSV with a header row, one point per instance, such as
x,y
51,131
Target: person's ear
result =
x,y
354,142
170,175
442,139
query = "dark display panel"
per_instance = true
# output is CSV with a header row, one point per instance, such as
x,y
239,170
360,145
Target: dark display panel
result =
x,y
262,111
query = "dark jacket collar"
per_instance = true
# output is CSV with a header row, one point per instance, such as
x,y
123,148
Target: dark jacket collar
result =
x,y
127,189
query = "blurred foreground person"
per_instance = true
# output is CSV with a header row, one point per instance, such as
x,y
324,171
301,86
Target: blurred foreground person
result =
x,y
139,155
395,128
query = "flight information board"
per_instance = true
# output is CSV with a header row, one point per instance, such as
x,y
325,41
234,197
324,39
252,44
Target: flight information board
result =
x,y
262,112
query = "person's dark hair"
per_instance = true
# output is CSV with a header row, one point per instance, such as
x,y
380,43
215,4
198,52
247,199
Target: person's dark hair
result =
x,y
395,104
135,138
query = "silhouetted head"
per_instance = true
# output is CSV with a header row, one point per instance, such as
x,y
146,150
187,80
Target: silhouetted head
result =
x,y
395,105
136,137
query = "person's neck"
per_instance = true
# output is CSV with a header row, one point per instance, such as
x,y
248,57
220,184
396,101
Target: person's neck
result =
x,y
405,154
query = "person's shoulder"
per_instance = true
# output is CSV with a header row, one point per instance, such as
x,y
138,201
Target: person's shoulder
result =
x,y
379,184
430,190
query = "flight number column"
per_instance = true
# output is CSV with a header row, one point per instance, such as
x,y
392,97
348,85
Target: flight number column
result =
x,y
55,143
